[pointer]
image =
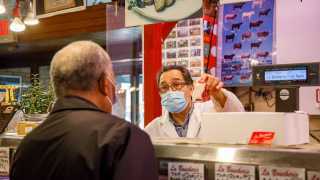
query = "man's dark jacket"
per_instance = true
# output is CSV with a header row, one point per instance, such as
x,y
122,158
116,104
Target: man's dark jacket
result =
x,y
80,142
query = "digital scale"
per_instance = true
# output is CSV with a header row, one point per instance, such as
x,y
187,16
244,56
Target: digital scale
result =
x,y
287,79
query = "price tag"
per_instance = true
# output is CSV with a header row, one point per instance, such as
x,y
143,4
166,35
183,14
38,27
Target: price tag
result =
x,y
278,173
234,172
4,161
185,171
313,175
258,137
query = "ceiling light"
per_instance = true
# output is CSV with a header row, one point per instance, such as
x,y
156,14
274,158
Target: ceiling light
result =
x,y
2,7
31,19
17,25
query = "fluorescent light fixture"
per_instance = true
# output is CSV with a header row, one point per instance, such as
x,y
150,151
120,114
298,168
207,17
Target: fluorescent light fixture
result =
x,y
17,25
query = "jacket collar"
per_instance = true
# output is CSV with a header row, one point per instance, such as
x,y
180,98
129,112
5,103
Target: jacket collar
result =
x,y
73,103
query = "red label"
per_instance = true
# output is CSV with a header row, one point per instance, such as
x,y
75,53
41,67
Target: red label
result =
x,y
4,27
318,95
259,137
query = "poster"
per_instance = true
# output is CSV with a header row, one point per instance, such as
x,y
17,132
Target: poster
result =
x,y
184,46
141,12
246,39
234,172
10,88
4,161
281,173
185,171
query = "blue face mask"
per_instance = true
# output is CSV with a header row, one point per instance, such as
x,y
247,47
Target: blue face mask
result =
x,y
174,101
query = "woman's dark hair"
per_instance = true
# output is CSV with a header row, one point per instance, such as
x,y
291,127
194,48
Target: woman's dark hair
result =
x,y
184,71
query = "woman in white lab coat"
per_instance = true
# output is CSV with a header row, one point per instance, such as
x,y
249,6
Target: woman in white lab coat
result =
x,y
181,117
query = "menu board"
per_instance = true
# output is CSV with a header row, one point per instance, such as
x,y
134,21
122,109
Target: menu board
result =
x,y
185,171
184,46
4,161
278,173
313,175
234,172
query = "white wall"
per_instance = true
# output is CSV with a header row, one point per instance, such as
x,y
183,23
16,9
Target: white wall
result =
x,y
297,31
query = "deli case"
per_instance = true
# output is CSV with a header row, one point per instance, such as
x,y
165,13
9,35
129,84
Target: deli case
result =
x,y
223,162
195,160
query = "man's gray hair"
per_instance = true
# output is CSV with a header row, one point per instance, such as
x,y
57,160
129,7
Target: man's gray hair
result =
x,y
78,66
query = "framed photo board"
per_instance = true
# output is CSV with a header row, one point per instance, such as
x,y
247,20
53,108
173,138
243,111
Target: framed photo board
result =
x,y
47,8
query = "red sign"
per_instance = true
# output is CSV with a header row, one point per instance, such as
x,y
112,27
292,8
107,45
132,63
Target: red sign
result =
x,y
318,95
4,27
259,137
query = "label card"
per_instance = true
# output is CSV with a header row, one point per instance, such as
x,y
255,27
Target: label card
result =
x,y
258,137
185,171
313,175
4,161
234,172
280,173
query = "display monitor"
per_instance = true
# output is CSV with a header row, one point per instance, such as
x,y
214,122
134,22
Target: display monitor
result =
x,y
299,74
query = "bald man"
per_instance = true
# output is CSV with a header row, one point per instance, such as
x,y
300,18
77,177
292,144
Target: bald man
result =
x,y
80,139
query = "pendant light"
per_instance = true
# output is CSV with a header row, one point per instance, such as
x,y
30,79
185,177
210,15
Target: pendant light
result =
x,y
17,25
2,7
31,19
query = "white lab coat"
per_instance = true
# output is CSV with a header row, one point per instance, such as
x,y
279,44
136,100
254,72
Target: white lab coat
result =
x,y
161,127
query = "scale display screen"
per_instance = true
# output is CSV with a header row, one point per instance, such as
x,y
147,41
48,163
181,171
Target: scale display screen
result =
x,y
304,74
300,74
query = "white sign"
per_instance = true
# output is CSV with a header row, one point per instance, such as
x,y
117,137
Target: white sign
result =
x,y
277,173
234,172
313,175
4,161
185,171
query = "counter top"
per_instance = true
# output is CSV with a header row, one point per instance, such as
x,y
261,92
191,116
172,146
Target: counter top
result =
x,y
303,156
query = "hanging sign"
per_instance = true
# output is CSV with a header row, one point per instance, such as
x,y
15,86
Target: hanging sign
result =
x,y
185,171
234,172
280,173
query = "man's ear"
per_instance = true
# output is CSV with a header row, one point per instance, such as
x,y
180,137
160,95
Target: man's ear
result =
x,y
102,84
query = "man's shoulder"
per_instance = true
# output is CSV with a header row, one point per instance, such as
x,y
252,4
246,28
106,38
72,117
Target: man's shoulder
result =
x,y
154,125
90,118
155,122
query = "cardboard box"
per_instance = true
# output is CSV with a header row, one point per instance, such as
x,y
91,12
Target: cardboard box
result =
x,y
237,127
